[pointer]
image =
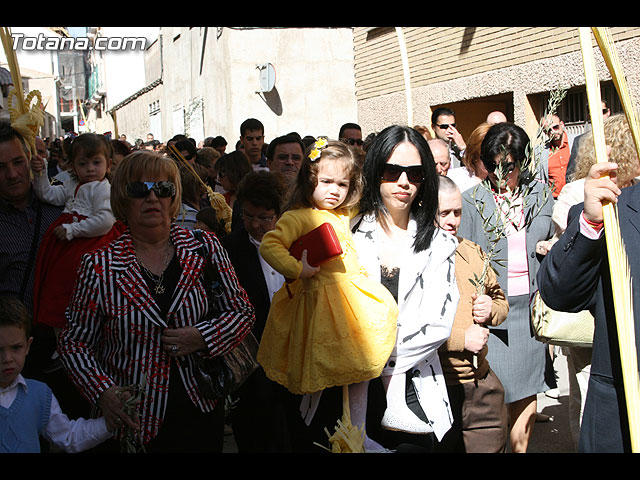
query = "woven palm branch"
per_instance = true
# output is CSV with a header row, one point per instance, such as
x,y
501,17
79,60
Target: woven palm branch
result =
x,y
216,200
346,438
26,115
621,282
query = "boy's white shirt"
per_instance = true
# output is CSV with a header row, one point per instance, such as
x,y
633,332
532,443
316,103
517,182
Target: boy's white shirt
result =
x,y
272,277
70,435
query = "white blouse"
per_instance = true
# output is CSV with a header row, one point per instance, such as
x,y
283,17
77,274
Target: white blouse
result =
x,y
91,201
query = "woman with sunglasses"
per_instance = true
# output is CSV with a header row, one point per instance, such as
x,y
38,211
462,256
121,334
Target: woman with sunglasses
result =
x,y
399,245
140,314
513,198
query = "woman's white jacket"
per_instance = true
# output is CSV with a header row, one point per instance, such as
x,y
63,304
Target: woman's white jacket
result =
x,y
427,301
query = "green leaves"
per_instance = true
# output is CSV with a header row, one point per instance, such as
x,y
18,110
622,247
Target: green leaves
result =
x,y
494,225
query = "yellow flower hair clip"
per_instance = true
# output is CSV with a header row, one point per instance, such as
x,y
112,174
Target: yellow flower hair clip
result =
x,y
316,152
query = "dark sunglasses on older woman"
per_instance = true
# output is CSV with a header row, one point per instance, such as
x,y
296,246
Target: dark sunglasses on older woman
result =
x,y
142,189
507,167
392,173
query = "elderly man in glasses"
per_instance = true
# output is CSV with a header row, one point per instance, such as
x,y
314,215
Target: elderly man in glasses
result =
x,y
443,123
440,151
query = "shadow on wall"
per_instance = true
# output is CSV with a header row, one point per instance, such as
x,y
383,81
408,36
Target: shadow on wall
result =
x,y
273,101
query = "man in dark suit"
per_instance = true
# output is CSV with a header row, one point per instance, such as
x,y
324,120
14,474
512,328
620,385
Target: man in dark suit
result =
x,y
257,418
575,276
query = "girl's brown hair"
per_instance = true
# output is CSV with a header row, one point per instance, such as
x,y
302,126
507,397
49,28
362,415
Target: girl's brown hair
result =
x,y
307,179
91,144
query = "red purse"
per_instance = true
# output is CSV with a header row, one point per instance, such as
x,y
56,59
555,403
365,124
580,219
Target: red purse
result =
x,y
321,245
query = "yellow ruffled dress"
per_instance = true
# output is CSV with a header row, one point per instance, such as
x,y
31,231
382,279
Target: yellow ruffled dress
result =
x,y
336,328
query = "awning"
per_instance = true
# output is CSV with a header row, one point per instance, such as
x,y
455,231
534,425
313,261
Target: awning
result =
x,y
5,77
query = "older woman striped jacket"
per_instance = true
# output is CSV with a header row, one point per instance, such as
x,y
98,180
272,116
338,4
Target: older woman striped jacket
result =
x,y
114,325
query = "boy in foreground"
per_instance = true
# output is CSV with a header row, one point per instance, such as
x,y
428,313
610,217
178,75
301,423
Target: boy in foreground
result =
x,y
28,409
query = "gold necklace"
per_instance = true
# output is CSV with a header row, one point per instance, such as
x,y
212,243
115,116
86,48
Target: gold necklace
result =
x,y
159,288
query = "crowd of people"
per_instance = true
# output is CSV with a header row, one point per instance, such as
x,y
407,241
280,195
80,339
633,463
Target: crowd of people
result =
x,y
105,315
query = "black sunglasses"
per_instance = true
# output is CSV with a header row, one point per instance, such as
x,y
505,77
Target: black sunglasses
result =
x,y
507,167
444,126
353,141
392,173
142,189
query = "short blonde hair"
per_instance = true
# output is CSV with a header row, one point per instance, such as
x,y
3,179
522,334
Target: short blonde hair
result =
x,y
136,166
623,151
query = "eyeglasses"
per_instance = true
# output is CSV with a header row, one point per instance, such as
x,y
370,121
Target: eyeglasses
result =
x,y
605,111
294,157
354,141
261,220
507,167
142,189
392,173
444,126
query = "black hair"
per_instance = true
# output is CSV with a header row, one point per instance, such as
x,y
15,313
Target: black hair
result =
x,y
251,124
347,126
308,140
441,111
188,146
218,142
263,189
288,138
504,138
425,206
8,133
209,217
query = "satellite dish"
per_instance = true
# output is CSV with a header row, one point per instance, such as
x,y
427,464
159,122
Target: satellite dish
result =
x,y
267,77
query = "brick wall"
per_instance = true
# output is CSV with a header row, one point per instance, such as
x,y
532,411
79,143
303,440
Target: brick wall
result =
x,y
437,54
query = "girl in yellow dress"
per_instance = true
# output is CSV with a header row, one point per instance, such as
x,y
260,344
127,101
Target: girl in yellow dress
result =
x,y
329,325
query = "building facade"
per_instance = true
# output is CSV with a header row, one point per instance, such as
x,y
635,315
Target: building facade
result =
x,y
475,70
205,81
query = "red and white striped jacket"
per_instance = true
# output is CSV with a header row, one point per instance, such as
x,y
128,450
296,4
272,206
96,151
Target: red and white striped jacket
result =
x,y
114,325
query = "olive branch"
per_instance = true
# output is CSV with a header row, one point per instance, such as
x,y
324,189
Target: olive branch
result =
x,y
131,440
494,226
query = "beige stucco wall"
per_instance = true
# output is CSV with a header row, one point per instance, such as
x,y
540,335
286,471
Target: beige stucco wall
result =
x,y
314,90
